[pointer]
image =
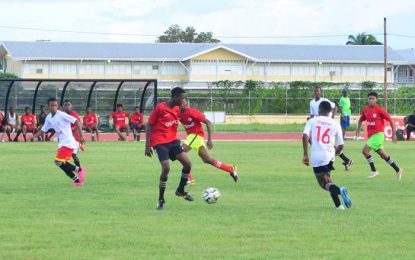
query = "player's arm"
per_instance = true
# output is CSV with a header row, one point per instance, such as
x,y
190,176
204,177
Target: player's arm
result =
x,y
339,139
148,152
359,124
79,129
333,110
392,123
306,160
209,131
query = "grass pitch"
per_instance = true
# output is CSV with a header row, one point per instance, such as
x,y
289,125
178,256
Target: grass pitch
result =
x,y
275,211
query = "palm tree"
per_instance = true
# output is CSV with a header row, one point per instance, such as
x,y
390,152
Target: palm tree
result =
x,y
362,39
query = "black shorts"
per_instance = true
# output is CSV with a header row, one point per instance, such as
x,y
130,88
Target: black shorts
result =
x,y
322,170
169,150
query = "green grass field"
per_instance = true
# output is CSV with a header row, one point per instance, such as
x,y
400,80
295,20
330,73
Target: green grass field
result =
x,y
275,211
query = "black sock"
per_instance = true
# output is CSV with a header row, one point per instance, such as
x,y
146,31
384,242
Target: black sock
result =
x,y
69,171
333,188
183,182
371,163
336,199
334,192
344,157
392,163
162,188
76,161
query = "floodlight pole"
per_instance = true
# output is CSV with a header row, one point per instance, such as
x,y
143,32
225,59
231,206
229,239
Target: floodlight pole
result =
x,y
385,64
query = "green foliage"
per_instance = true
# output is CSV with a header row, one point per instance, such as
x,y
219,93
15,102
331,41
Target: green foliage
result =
x,y
8,76
363,39
176,34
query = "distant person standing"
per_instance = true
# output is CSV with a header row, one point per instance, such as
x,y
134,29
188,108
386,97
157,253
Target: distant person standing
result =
x,y
410,127
345,111
315,112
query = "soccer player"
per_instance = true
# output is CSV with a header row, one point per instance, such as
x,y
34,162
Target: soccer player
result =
x,y
41,117
91,123
119,118
61,122
161,135
345,111
374,115
314,112
28,121
192,120
324,132
136,123
67,108
12,123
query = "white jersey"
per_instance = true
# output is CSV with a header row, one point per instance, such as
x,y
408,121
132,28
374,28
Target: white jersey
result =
x,y
61,123
323,132
12,119
314,104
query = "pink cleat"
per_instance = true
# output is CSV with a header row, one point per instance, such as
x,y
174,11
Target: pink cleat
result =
x,y
77,183
82,174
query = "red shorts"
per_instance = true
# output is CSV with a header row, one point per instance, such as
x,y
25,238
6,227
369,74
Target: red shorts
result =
x,y
64,154
30,128
89,125
120,126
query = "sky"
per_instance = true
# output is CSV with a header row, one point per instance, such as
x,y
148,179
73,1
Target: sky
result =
x,y
232,21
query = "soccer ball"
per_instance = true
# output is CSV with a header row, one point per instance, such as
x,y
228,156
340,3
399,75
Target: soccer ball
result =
x,y
211,195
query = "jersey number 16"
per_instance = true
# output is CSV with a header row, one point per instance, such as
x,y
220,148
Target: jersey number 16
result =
x,y
325,138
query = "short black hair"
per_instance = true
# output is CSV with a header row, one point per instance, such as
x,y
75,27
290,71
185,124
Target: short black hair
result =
x,y
317,87
177,91
67,101
42,106
26,108
119,105
325,107
373,94
52,99
136,107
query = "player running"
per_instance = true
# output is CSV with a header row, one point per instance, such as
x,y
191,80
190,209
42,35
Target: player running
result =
x,y
192,120
374,115
314,112
91,123
28,121
323,132
67,107
61,122
161,135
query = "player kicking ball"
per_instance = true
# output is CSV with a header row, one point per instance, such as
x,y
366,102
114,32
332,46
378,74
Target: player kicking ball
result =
x,y
161,135
375,117
324,132
61,122
192,120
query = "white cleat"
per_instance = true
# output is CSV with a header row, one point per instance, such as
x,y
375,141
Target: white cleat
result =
x,y
399,174
373,174
341,207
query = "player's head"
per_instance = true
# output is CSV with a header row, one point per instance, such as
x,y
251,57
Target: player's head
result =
x,y
344,92
317,92
178,95
27,110
372,98
184,105
324,108
12,109
53,105
137,109
42,108
67,106
120,107
89,110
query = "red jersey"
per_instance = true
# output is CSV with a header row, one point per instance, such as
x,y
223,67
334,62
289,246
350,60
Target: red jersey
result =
x,y
119,117
137,118
28,120
75,133
1,119
90,120
374,117
191,120
164,122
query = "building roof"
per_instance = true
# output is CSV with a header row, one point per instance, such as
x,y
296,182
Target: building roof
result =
x,y
185,51
408,55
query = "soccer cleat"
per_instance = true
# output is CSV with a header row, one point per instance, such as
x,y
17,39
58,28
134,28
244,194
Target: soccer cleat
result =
x,y
160,204
373,174
82,174
184,195
341,207
346,199
77,184
399,174
348,165
234,174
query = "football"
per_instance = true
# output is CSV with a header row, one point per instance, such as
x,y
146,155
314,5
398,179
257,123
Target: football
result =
x,y
211,195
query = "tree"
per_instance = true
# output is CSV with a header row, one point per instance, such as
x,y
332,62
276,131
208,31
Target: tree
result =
x,y
363,39
7,76
176,34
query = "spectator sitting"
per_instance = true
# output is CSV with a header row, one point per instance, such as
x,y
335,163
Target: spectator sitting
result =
x,y
119,117
12,123
2,125
136,123
410,125
91,123
28,122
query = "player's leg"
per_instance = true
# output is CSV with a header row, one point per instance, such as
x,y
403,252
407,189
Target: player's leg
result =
x,y
95,128
187,166
204,154
23,130
8,131
390,161
366,153
409,130
162,151
326,183
18,132
127,131
62,161
118,130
